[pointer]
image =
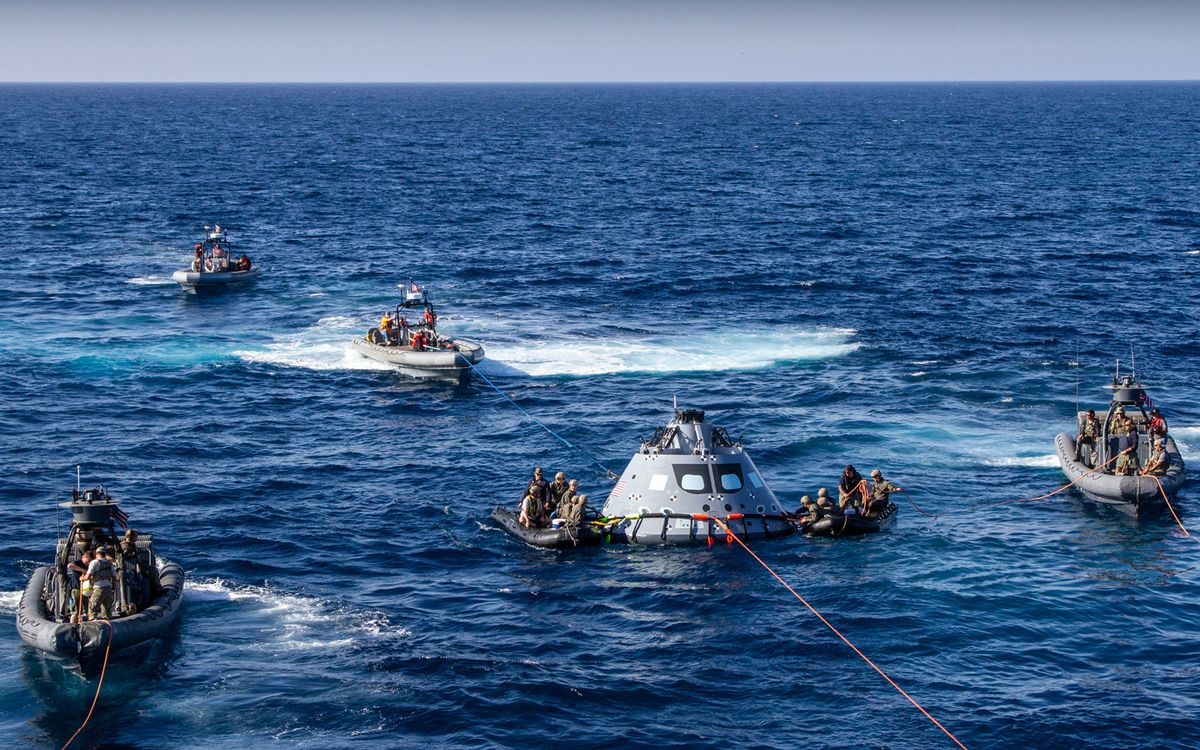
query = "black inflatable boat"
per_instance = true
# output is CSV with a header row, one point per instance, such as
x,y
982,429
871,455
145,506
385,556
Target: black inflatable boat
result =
x,y
837,524
563,537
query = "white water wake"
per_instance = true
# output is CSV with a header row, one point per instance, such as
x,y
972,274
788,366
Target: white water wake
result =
x,y
326,346
298,622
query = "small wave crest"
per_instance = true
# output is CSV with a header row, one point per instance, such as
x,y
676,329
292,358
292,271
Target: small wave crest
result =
x,y
1040,462
1188,441
9,601
301,622
150,280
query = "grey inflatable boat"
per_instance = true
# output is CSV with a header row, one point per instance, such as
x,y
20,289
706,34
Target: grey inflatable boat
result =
x,y
1092,463
214,267
147,592
416,348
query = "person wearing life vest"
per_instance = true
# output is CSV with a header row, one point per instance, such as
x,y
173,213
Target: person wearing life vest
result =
x,y
198,261
100,575
418,341
1158,424
1089,433
430,317
1159,461
244,263
387,327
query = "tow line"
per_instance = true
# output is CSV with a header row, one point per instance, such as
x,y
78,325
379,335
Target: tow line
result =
x,y
838,633
99,685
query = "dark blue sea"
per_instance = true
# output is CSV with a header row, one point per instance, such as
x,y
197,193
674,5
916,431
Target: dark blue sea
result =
x,y
909,277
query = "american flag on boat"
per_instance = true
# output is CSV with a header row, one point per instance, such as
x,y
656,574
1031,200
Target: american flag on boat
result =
x,y
120,516
616,492
414,287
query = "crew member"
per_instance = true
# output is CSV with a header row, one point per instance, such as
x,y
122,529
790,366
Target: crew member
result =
x,y
244,263
100,574
540,487
430,317
1089,433
558,492
1158,424
880,492
386,327
852,489
1159,461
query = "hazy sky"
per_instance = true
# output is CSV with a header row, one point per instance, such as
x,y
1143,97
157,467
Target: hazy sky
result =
x,y
618,40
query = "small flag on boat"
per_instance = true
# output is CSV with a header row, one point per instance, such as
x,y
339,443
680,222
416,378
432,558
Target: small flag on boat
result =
x,y
120,516
1147,400
617,490
414,287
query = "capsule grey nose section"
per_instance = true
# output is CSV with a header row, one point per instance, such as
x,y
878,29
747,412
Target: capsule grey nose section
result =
x,y
686,476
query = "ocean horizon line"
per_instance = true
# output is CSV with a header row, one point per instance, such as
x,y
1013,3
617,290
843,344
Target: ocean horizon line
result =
x,y
865,82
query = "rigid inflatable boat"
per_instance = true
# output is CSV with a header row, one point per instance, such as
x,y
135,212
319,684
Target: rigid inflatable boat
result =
x,y
415,347
146,591
1092,464
214,268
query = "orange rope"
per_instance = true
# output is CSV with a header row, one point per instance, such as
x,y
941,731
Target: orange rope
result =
x,y
1172,509
838,633
1064,488
99,685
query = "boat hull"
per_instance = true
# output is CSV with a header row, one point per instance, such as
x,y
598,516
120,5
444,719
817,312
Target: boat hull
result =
x,y
1134,495
453,365
90,640
851,525
560,538
195,282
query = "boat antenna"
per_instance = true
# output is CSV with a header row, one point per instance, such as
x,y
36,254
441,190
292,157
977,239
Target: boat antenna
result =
x,y
77,487
1077,377
1132,362
675,404
57,512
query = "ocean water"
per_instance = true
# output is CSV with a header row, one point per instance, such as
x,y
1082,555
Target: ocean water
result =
x,y
910,277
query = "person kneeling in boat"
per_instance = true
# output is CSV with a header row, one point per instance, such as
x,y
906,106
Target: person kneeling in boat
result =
x,y
572,510
100,574
880,493
243,263
419,341
1159,461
